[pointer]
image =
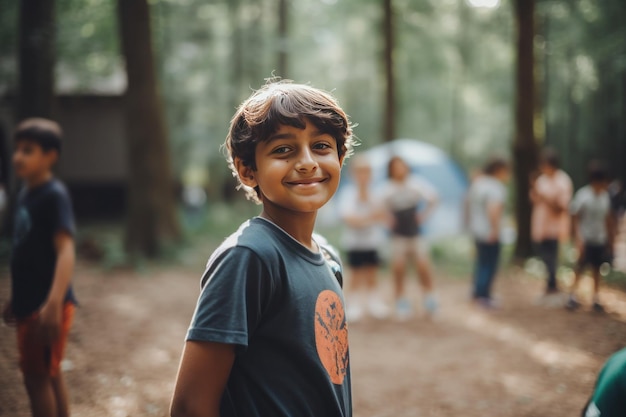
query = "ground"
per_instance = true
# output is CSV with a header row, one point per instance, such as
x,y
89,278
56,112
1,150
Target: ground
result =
x,y
524,360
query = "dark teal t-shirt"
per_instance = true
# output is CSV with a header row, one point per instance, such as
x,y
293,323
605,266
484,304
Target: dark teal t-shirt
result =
x,y
282,306
609,396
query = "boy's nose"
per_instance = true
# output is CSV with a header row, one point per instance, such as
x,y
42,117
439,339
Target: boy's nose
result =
x,y
306,161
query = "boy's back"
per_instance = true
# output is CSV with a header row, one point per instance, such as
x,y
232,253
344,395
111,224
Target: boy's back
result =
x,y
274,300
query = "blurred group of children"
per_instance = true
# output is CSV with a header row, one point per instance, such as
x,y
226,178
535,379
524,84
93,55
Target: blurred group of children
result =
x,y
399,208
589,217
392,216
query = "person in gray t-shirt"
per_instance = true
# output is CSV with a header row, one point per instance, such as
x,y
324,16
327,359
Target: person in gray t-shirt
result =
x,y
593,222
485,210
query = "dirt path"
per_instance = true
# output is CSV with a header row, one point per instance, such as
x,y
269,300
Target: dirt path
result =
x,y
524,360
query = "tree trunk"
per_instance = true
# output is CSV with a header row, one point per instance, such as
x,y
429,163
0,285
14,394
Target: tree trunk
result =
x,y
36,59
151,202
524,144
283,38
389,126
464,44
35,95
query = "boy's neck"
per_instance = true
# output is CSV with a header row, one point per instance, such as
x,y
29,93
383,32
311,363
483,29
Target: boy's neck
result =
x,y
39,179
296,224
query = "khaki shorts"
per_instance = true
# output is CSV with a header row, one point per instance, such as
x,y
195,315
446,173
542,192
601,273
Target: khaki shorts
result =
x,y
404,247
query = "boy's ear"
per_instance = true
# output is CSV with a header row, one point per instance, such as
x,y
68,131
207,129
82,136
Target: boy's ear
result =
x,y
52,155
246,173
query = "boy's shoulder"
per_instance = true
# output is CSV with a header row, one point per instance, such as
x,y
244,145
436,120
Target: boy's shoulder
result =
x,y
53,190
583,192
56,186
254,234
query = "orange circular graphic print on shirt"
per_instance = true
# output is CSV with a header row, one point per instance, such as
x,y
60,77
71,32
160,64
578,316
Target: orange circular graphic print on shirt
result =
x,y
331,335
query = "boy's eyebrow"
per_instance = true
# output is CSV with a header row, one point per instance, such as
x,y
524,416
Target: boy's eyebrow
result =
x,y
277,136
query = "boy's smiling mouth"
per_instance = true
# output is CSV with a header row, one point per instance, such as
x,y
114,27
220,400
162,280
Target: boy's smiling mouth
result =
x,y
307,181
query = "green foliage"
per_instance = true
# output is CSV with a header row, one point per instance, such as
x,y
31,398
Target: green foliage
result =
x,y
87,47
454,256
582,50
454,69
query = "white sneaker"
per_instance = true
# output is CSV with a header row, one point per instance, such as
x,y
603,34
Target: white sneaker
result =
x,y
354,312
377,308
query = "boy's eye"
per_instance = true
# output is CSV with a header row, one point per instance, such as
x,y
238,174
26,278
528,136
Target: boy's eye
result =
x,y
281,150
322,145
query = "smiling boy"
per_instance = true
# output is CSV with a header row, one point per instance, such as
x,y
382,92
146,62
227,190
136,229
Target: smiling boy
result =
x,y
268,336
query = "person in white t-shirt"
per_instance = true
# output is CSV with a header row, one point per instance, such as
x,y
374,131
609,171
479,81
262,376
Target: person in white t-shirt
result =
x,y
410,201
485,204
363,234
594,229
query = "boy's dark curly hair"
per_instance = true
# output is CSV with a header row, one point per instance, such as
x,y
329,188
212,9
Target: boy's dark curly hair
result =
x,y
283,103
44,132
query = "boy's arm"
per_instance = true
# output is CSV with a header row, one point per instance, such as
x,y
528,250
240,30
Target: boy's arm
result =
x,y
578,240
611,229
354,220
202,377
431,203
494,214
50,314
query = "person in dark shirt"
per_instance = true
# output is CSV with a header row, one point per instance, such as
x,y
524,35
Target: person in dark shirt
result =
x,y
269,335
42,261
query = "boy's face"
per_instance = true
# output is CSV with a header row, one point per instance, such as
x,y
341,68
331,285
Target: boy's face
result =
x,y
296,169
30,160
399,170
547,169
504,174
599,185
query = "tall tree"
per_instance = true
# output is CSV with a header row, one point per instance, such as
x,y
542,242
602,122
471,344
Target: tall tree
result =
x,y
283,40
389,125
464,47
35,90
36,58
524,143
151,201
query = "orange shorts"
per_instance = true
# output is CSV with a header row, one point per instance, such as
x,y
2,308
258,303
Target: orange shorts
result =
x,y
35,357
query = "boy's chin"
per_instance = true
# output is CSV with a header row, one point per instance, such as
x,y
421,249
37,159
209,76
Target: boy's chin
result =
x,y
304,207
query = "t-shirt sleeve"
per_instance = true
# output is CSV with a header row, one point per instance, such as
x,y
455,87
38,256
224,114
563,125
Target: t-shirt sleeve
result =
x,y
576,204
237,290
63,219
499,194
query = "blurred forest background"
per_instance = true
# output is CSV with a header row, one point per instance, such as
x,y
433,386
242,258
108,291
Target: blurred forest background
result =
x,y
440,71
